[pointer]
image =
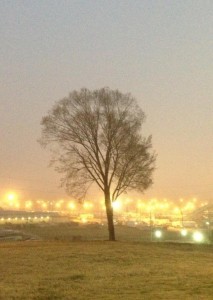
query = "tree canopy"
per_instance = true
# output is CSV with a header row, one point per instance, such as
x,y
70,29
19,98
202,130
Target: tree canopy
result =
x,y
96,137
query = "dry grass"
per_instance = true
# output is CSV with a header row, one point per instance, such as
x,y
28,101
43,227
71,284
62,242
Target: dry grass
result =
x,y
66,232
91,270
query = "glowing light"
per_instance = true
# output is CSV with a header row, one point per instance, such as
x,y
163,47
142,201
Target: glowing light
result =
x,y
140,204
116,205
11,196
184,232
44,205
152,205
87,205
158,234
71,205
198,236
28,204
166,205
58,204
176,210
163,206
189,206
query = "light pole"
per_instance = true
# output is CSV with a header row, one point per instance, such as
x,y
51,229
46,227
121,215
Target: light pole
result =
x,y
150,224
181,211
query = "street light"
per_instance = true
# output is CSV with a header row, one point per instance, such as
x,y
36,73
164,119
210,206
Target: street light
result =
x,y
158,234
184,232
198,237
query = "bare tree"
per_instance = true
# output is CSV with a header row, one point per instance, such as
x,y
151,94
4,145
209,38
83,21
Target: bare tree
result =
x,y
96,136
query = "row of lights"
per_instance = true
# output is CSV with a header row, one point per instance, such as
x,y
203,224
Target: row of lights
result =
x,y
23,218
152,204
197,236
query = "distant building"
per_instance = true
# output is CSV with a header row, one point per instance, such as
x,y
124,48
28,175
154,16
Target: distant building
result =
x,y
23,217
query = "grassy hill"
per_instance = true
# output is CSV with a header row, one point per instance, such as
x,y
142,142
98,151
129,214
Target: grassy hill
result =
x,y
88,270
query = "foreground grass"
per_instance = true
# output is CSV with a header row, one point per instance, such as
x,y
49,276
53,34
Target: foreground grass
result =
x,y
105,270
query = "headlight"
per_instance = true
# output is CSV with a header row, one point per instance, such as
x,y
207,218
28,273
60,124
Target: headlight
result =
x,y
184,232
158,234
198,236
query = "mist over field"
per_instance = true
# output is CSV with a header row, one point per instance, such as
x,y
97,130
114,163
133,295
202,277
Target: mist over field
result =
x,y
106,164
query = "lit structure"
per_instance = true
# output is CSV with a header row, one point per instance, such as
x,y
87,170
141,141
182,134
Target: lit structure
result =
x,y
23,217
153,212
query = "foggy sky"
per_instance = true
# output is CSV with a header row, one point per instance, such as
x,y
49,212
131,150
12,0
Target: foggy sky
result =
x,y
159,51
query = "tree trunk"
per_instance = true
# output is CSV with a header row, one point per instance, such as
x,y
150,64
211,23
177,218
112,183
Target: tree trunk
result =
x,y
109,213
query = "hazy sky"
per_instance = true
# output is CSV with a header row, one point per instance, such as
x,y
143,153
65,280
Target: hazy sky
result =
x,y
160,51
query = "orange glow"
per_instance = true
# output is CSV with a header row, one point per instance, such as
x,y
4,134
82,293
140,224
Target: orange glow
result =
x,y
117,205
44,205
28,204
71,205
87,205
11,196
